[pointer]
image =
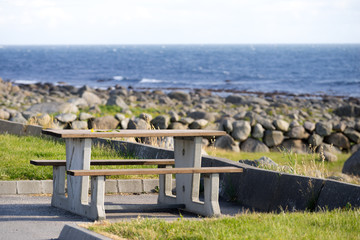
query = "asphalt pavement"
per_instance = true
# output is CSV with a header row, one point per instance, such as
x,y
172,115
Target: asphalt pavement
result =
x,y
32,217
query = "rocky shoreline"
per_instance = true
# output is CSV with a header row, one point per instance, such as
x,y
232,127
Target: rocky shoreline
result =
x,y
256,122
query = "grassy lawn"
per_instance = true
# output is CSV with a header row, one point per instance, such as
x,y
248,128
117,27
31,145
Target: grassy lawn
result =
x,y
16,153
337,224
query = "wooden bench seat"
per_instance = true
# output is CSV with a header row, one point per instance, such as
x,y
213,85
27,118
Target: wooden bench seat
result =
x,y
150,171
108,162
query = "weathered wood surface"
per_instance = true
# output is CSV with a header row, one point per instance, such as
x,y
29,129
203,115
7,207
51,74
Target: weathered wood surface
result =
x,y
68,133
108,162
149,171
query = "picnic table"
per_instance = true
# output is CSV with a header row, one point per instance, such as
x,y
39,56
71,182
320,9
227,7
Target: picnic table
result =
x,y
187,167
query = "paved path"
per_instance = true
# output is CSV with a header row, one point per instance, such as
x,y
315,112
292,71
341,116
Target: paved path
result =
x,y
32,217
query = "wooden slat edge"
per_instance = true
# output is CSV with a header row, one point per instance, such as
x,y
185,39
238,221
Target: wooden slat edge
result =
x,y
108,162
147,171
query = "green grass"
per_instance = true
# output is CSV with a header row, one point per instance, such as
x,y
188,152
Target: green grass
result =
x,y
337,224
302,163
16,153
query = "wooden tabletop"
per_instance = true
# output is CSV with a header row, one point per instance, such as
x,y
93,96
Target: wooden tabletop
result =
x,y
116,133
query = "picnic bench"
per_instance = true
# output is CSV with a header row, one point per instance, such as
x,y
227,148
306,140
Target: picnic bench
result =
x,y
186,166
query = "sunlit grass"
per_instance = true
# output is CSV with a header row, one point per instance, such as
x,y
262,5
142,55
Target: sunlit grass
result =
x,y
337,224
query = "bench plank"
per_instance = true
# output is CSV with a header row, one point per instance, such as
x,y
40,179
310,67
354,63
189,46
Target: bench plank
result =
x,y
150,171
117,133
108,162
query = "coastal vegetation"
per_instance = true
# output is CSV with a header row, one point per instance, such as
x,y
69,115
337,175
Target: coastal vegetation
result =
x,y
336,224
16,153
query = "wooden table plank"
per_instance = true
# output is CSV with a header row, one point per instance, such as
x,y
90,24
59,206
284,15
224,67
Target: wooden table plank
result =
x,y
68,133
108,162
150,171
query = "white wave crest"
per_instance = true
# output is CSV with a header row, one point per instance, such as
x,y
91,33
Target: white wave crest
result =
x,y
147,80
118,78
23,81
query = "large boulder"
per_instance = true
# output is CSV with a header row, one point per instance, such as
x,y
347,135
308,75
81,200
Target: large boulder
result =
x,y
309,126
91,98
258,131
198,124
241,130
138,123
180,96
294,145
281,125
297,133
160,122
4,115
353,135
253,145
116,101
79,125
226,125
273,138
66,117
107,122
226,142
19,118
352,164
202,115
348,111
323,128
315,140
338,140
53,107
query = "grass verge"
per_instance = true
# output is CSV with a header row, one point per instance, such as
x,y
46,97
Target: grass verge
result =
x,y
336,224
16,153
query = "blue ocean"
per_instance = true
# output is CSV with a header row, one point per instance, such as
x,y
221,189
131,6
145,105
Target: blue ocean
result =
x,y
294,69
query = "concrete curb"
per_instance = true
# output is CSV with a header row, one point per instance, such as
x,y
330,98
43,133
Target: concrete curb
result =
x,y
46,186
76,232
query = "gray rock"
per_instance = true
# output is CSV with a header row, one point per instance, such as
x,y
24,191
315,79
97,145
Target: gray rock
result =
x,y
273,138
253,145
330,157
18,117
357,126
66,117
235,99
198,124
174,117
146,116
338,140
348,111
160,122
355,147
266,123
186,120
258,131
297,133
226,142
315,140
120,117
294,124
309,126
241,130
165,100
281,125
4,115
226,125
266,162
323,128
79,102
202,115
53,107
124,123
79,125
106,122
352,164
339,127
240,116
353,135
177,125
180,96
138,123
91,98
294,145
117,101
85,116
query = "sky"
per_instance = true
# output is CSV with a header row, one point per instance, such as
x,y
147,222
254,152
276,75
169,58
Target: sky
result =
x,y
178,21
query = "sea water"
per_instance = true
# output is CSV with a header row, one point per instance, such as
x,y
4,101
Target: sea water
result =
x,y
299,69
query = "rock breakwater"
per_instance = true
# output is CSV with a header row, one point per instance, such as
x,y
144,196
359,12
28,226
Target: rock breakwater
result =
x,y
254,122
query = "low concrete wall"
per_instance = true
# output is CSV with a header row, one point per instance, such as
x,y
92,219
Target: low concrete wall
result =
x,y
256,188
